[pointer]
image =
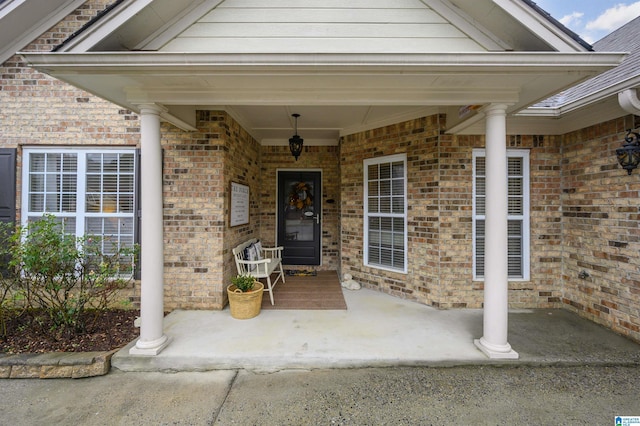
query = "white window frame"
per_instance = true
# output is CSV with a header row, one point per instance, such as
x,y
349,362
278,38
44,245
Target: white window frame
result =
x,y
525,217
367,215
80,215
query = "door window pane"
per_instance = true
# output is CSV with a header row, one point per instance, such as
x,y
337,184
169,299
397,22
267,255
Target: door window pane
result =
x,y
300,211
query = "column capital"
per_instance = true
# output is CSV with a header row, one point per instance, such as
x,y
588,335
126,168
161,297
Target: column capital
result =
x,y
495,109
152,108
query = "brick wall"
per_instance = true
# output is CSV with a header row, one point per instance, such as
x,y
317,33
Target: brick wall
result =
x,y
419,140
601,228
440,215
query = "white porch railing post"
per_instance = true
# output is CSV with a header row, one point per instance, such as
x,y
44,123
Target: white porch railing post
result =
x,y
496,301
152,338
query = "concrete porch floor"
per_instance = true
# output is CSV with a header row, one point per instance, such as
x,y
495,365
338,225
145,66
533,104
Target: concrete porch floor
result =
x,y
377,330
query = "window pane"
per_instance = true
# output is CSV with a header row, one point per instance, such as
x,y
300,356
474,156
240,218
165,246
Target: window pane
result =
x,y
374,238
37,162
109,203
515,206
94,183
110,183
52,203
385,187
110,162
127,163
397,187
52,183
481,206
398,205
373,188
374,207
37,183
53,162
479,249
373,172
69,183
385,171
374,255
93,203
125,183
515,247
36,203
515,267
398,259
386,257
514,228
126,204
481,188
374,223
398,169
515,186
385,204
94,163
480,166
515,165
70,163
69,203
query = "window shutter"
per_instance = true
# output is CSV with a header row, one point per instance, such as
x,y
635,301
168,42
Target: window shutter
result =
x,y
7,192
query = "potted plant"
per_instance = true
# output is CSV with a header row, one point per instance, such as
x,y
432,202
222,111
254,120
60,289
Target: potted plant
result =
x,y
245,296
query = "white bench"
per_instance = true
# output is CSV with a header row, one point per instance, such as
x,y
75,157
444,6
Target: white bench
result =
x,y
270,261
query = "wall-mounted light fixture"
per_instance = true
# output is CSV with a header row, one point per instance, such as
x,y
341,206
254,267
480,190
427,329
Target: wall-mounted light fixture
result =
x,y
629,154
295,142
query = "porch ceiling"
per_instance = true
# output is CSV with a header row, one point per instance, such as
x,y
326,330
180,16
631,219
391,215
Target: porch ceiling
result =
x,y
335,94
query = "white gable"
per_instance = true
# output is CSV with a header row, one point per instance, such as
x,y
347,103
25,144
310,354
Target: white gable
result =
x,y
321,26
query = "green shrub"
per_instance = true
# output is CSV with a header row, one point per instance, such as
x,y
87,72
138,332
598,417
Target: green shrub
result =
x,y
63,275
243,282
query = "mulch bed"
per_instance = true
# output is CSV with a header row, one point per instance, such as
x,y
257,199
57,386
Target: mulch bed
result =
x,y
113,329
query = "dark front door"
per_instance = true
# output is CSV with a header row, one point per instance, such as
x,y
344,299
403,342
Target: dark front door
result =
x,y
299,217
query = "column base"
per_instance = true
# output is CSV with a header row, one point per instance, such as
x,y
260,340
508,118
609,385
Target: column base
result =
x,y
495,351
151,348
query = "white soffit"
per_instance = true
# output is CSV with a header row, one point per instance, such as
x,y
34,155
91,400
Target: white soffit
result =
x,y
427,80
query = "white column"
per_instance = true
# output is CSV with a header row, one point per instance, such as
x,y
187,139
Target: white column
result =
x,y
496,301
152,339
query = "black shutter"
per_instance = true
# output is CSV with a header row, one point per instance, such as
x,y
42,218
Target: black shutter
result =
x,y
137,216
7,193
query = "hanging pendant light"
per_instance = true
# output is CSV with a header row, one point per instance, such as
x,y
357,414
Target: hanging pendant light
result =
x,y
295,142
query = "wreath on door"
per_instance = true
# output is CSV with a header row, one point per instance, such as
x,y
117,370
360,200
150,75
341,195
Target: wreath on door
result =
x,y
300,196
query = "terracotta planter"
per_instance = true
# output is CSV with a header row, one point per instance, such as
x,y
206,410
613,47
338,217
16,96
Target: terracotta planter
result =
x,y
245,305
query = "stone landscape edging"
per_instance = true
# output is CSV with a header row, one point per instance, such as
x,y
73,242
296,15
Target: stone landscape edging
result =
x,y
55,365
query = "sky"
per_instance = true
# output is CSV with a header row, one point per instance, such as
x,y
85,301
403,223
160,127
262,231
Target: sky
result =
x,y
591,19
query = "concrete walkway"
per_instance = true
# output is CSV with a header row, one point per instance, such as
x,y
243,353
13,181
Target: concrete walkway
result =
x,y
377,330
